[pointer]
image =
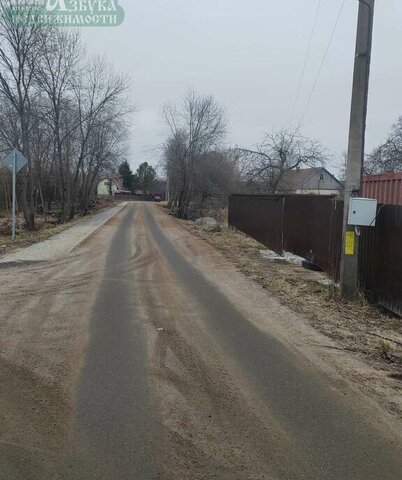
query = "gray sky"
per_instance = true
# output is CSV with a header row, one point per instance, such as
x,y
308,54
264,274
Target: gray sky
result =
x,y
249,55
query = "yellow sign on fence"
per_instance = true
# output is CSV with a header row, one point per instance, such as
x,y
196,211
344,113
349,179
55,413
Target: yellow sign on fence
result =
x,y
350,243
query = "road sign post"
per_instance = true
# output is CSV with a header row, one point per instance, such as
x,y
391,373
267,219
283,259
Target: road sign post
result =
x,y
14,196
15,161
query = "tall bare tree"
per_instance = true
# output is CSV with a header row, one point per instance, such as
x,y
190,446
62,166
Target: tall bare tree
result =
x,y
265,167
102,101
196,127
218,176
55,76
68,113
387,158
20,48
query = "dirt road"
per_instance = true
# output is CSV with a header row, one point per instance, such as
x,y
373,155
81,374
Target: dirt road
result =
x,y
145,355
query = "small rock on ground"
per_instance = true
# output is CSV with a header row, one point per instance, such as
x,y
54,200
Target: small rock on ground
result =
x,y
208,224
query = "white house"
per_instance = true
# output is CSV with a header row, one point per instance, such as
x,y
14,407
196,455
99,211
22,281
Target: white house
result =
x,y
313,181
107,187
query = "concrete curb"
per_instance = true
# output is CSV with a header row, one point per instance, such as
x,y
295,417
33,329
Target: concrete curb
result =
x,y
97,228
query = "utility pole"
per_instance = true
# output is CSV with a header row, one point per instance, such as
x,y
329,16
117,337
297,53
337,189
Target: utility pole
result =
x,y
357,133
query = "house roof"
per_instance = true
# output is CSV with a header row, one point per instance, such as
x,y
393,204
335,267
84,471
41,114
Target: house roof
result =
x,y
295,179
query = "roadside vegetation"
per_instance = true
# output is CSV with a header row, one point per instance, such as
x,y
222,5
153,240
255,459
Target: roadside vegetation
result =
x,y
46,226
202,171
66,111
198,167
387,157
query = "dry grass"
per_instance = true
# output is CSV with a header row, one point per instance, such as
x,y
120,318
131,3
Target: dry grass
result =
x,y
357,327
45,228
25,237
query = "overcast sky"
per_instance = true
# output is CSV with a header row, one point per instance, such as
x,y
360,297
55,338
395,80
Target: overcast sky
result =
x,y
249,55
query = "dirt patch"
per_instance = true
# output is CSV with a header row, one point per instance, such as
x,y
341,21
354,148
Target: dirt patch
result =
x,y
360,329
44,312
33,423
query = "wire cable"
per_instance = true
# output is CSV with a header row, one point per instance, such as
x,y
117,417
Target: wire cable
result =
x,y
323,61
305,61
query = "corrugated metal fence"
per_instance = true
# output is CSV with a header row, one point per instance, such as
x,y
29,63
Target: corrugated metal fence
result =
x,y
307,225
260,217
381,259
386,188
311,226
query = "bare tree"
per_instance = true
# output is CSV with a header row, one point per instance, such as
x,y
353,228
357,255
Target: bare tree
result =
x,y
101,98
68,113
56,72
174,162
387,158
265,167
196,127
217,177
20,48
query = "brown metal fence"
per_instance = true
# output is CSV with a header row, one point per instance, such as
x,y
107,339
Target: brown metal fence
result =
x,y
307,225
381,259
311,226
260,217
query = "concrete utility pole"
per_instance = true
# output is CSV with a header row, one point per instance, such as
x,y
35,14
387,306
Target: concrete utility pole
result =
x,y
357,132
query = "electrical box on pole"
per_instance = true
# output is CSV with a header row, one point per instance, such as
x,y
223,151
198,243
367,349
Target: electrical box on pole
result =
x,y
362,212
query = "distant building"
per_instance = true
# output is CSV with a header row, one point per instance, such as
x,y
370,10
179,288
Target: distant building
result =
x,y
310,181
111,187
386,188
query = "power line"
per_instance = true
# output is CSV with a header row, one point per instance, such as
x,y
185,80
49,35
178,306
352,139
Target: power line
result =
x,y
323,61
305,61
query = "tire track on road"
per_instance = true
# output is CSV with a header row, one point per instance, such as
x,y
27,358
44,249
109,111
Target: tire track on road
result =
x,y
113,414
339,443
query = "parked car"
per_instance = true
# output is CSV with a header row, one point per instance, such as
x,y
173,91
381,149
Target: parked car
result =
x,y
157,197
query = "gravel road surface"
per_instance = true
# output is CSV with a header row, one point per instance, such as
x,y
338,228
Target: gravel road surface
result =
x,y
144,355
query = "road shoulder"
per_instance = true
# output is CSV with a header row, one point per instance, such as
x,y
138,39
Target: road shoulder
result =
x,y
63,243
